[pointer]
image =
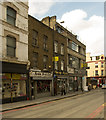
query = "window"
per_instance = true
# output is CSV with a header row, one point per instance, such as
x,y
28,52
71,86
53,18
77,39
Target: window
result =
x,y
69,44
11,16
102,64
45,58
101,72
59,30
74,46
56,65
73,61
62,65
11,46
96,72
35,37
56,46
62,49
45,38
35,59
97,57
96,65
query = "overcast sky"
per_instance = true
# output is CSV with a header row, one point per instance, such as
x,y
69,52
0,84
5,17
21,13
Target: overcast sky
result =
x,y
85,19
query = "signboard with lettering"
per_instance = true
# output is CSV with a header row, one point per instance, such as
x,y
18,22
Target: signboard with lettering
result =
x,y
40,74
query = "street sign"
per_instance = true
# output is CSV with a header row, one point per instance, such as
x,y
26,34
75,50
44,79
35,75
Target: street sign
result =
x,y
55,58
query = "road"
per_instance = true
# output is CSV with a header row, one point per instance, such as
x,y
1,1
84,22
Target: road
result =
x,y
88,105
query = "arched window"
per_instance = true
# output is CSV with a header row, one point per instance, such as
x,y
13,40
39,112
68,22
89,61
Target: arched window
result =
x,y
11,46
11,16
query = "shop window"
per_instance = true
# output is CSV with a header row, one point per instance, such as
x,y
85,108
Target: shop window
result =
x,y
15,87
43,86
35,38
11,16
55,46
45,39
11,46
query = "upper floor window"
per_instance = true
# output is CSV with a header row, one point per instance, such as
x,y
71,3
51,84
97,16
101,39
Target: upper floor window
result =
x,y
45,59
58,29
11,46
35,37
102,64
96,72
11,16
35,59
101,72
97,57
62,49
69,44
45,39
56,65
62,65
56,46
96,65
74,46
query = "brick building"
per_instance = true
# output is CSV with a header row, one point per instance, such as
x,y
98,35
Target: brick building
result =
x,y
76,54
42,41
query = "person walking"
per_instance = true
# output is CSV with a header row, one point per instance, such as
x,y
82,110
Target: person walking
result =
x,y
63,90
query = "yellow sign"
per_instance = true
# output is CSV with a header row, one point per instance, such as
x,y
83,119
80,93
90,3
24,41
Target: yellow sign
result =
x,y
16,76
83,65
55,58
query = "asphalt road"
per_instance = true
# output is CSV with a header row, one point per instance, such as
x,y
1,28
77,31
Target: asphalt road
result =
x,y
89,105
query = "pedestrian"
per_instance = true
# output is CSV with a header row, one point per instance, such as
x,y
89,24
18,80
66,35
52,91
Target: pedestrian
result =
x,y
63,90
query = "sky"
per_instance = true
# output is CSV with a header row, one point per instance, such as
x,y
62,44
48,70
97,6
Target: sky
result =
x,y
85,19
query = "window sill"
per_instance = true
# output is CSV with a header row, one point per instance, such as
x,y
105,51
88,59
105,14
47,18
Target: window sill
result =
x,y
35,46
46,50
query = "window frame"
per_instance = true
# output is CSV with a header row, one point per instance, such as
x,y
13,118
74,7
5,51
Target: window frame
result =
x,y
10,46
8,16
35,59
35,38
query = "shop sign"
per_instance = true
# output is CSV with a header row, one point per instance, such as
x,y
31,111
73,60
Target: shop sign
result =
x,y
40,74
70,70
6,76
16,76
55,58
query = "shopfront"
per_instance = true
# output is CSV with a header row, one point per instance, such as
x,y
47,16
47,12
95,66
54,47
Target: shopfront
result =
x,y
13,86
60,81
41,84
14,83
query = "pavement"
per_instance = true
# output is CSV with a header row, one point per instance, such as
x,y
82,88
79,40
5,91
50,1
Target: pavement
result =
x,y
21,104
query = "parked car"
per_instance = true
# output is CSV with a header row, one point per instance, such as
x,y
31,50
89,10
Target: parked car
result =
x,y
104,86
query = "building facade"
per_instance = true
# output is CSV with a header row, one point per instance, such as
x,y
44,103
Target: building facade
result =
x,y
14,50
76,55
96,74
47,55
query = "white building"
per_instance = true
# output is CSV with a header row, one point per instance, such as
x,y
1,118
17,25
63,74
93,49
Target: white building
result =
x,y
14,49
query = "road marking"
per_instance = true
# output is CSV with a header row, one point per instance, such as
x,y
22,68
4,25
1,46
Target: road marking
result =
x,y
96,112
